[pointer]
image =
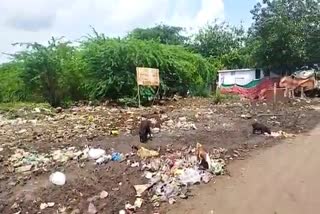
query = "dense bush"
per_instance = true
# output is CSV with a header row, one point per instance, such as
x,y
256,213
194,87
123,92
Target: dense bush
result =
x,y
111,66
11,86
52,73
100,68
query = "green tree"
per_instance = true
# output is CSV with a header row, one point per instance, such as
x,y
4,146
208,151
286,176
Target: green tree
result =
x,y
286,33
164,34
218,39
50,71
11,86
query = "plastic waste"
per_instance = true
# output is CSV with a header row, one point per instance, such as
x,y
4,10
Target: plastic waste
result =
x,y
155,130
103,159
216,166
116,156
190,176
140,189
58,178
148,175
138,203
129,207
45,205
146,153
206,177
155,164
104,194
280,134
172,200
114,133
23,168
169,191
90,118
135,164
92,209
96,153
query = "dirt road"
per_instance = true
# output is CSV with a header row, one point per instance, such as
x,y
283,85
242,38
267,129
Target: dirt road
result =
x,y
281,180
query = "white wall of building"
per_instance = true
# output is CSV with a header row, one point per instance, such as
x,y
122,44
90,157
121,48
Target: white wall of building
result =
x,y
240,77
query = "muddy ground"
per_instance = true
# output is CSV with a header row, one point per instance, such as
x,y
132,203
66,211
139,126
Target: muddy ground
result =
x,y
182,123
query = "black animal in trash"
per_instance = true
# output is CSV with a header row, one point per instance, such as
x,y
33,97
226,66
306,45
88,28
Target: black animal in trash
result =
x,y
145,131
260,128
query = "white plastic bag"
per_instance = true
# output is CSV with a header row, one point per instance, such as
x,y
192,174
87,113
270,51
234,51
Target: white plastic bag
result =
x,y
96,153
190,176
58,178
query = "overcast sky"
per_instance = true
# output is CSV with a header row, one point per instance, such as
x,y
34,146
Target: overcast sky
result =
x,y
39,20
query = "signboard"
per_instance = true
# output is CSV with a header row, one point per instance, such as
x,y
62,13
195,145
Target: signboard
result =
x,y
148,76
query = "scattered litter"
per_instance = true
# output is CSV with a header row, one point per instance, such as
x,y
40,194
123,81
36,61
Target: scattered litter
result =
x,y
138,203
114,133
116,156
181,123
246,116
216,166
155,130
167,176
103,159
206,177
148,175
280,134
92,209
58,178
46,205
59,110
130,207
193,126
155,164
146,153
66,154
135,164
115,189
43,206
104,194
37,110
172,201
14,206
190,177
182,119
141,189
96,153
23,168
22,131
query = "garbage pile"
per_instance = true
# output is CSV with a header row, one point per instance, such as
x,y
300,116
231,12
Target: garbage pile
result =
x,y
14,122
170,175
23,161
181,123
281,134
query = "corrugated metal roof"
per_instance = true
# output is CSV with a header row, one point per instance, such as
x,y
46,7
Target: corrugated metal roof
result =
x,y
237,70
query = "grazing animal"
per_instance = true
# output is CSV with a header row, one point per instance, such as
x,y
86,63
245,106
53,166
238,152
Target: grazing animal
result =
x,y
258,127
202,156
292,84
145,131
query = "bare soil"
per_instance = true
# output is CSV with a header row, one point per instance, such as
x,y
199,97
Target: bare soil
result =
x,y
283,179
217,126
